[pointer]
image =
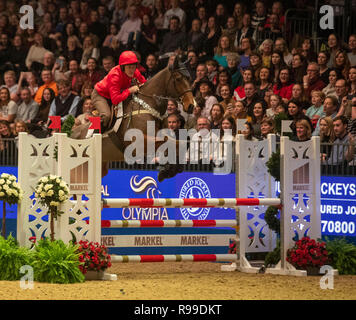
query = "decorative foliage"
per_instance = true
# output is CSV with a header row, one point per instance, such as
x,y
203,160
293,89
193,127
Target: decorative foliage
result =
x,y
274,165
278,121
51,191
307,253
273,257
12,258
342,255
10,192
56,262
272,220
94,257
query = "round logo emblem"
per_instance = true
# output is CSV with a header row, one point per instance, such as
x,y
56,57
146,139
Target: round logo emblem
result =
x,y
195,188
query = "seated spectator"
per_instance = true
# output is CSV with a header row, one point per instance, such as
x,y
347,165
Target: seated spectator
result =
x,y
247,46
216,115
36,52
327,136
60,68
274,102
330,89
212,36
307,50
258,113
238,13
299,68
73,50
230,29
205,91
316,110
92,73
295,113
280,44
96,27
119,14
330,110
85,93
323,58
90,50
223,79
264,82
196,38
341,62
312,80
352,83
10,83
223,49
246,31
233,61
210,71
173,123
30,82
248,132
88,111
303,130
20,126
239,92
226,95
192,63
148,37
341,90
273,30
6,140
8,107
174,11
284,85
113,31
342,150
173,108
151,66
173,41
277,63
220,15
65,103
334,44
28,108
298,94
131,26
266,52
228,123
17,54
108,63
192,118
48,82
352,47
259,16
255,63
277,9
48,96
267,127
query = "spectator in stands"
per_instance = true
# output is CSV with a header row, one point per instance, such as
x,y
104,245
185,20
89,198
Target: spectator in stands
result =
x,y
341,62
5,47
281,45
192,63
175,40
277,62
251,97
277,9
73,51
36,52
299,67
119,14
206,90
17,54
266,52
238,14
108,63
216,115
248,132
327,136
212,36
303,130
267,127
83,32
173,122
28,108
48,96
220,15
316,110
85,93
228,123
92,72
273,29
247,76
258,113
113,31
341,90
247,46
226,95
148,37
312,80
274,102
284,85
231,29
6,137
223,78
196,38
352,83
151,66
330,89
48,82
60,68
65,103
131,26
259,16
334,44
174,11
90,50
342,149
96,27
264,83
210,71
85,11
8,107
323,58
299,95
173,108
295,113
330,110
352,47
10,83
31,82
87,111
63,19
245,31
201,72
192,118
255,63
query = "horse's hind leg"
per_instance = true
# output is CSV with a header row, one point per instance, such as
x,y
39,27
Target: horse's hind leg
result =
x,y
104,168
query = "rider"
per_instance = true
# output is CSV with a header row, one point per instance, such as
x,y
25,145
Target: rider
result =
x,y
122,81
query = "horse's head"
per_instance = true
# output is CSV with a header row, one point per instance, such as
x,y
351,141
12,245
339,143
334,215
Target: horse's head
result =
x,y
180,87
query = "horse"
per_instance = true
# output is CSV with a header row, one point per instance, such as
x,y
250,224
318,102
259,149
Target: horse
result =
x,y
148,104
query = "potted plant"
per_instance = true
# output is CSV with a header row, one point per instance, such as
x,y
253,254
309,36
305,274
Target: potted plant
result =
x,y
11,193
51,191
308,254
94,259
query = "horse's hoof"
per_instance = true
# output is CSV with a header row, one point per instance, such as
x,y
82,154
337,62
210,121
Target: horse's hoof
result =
x,y
162,175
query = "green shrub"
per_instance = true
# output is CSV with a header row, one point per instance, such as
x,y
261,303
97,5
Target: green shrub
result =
x,y
56,262
342,255
12,258
274,165
273,257
272,220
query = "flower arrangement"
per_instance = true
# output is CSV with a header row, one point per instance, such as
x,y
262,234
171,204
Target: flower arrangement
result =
x,y
307,253
51,191
93,256
232,246
10,192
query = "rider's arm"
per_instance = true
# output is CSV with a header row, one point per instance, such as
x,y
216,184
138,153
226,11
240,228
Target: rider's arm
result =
x,y
116,96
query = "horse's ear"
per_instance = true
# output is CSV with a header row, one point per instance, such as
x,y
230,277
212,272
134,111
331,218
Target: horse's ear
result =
x,y
175,64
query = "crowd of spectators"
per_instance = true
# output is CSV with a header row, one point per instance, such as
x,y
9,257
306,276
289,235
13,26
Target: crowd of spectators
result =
x,y
53,68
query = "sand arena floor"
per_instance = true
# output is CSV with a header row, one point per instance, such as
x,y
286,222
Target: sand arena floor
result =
x,y
185,281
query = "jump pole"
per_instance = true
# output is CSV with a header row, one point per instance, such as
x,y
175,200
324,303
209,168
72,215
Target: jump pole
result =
x,y
173,258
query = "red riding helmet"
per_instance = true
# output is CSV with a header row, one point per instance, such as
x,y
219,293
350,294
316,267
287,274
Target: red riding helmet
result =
x,y
127,57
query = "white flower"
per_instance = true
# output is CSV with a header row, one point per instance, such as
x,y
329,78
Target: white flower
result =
x,y
54,204
43,194
2,181
52,177
5,175
58,180
61,193
9,192
12,177
44,179
5,187
8,182
16,194
62,184
2,194
48,186
50,193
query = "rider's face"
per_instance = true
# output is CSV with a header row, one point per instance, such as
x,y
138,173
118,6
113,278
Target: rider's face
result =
x,y
130,69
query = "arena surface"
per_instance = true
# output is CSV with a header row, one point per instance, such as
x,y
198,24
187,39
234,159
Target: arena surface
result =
x,y
185,281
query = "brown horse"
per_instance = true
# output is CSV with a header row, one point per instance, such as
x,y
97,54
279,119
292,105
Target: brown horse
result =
x,y
149,104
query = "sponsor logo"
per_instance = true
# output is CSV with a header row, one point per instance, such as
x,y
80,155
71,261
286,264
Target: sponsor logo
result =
x,y
301,178
195,188
79,177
